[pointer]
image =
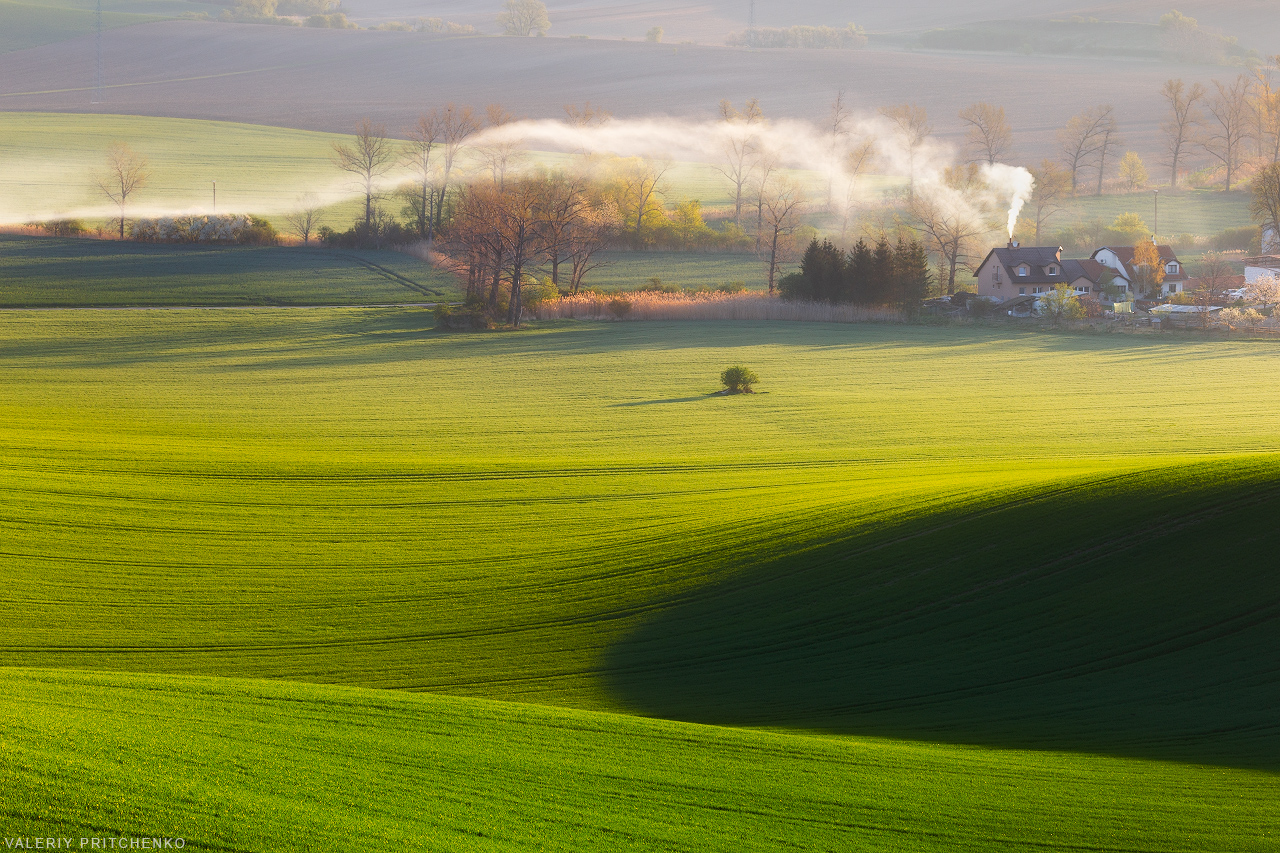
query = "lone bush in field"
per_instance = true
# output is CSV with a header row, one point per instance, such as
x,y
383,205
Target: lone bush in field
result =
x,y
619,307
738,379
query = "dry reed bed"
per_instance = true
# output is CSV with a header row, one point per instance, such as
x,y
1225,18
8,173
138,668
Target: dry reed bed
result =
x,y
707,306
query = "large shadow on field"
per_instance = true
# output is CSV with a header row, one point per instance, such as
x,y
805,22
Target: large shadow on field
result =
x,y
1137,616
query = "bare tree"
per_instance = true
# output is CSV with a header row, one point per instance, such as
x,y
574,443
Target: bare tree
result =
x,y
1052,185
740,149
1081,138
1108,137
586,115
1265,102
368,158
1225,135
1265,205
126,173
783,201
524,18
952,229
457,125
1184,118
762,175
499,153
303,220
988,135
912,124
418,156
861,157
588,237
1211,285
838,127
561,206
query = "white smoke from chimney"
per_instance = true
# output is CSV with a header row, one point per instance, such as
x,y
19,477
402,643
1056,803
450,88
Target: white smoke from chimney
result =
x,y
788,144
1012,182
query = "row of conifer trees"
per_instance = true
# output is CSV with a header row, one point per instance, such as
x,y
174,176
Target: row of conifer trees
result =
x,y
885,274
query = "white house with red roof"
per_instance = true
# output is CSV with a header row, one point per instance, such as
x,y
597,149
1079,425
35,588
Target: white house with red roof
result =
x,y
1119,260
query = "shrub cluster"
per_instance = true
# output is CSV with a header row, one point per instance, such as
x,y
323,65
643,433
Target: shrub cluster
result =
x,y
884,275
227,228
849,37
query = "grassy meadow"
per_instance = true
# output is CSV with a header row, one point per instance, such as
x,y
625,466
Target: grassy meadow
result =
x,y
932,588
64,272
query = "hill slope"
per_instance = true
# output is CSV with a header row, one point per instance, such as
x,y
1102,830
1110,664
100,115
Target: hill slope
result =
x,y
251,765
896,539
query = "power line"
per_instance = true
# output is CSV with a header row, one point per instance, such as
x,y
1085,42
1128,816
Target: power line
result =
x,y
97,74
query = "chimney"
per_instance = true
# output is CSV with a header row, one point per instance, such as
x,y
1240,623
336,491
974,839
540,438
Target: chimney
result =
x,y
1058,254
1013,244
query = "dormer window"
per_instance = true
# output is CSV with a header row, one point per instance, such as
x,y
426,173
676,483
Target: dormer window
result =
x,y
1053,269
1171,268
1023,269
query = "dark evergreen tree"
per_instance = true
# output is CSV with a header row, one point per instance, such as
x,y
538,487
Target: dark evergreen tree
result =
x,y
911,274
880,276
857,269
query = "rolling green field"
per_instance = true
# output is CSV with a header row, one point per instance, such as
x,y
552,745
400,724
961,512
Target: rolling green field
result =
x,y
935,588
63,272
30,23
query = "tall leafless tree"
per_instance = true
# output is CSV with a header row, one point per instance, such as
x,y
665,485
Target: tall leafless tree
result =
x,y
498,154
911,121
741,148
126,173
987,135
1224,137
303,220
457,125
419,155
954,231
1052,185
783,199
1081,137
1108,138
860,158
1184,118
369,157
524,18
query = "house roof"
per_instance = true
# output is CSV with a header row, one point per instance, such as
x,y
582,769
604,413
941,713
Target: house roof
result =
x,y
1267,261
1038,259
1125,254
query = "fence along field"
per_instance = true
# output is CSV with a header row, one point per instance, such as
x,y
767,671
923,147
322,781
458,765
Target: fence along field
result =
x,y
346,497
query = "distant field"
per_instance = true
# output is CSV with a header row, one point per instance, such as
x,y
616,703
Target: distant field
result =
x,y
105,273
53,160
630,270
32,23
993,614
328,80
1201,212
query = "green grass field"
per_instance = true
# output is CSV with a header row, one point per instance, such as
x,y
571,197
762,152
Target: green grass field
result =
x,y
60,272
631,270
946,589
1201,212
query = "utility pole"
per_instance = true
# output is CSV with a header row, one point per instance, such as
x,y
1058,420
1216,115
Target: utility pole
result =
x,y
215,198
97,74
1155,238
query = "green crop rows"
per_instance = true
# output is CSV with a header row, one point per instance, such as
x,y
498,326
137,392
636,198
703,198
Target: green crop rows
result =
x,y
49,272
933,589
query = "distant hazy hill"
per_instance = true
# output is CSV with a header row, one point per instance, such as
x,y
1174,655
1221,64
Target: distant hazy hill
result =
x,y
1255,22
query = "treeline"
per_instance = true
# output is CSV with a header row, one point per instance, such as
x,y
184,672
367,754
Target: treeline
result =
x,y
885,274
849,37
